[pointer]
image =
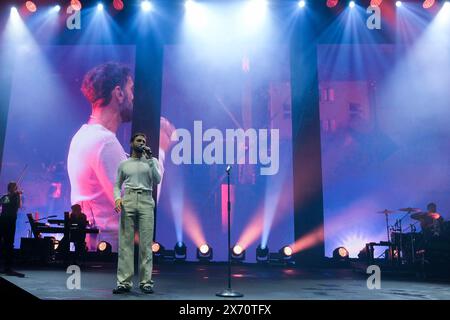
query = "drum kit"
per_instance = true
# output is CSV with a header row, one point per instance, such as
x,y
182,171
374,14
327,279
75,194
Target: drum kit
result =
x,y
403,241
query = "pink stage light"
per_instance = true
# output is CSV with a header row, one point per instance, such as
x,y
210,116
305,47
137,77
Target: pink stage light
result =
x,y
375,3
332,3
118,5
193,227
76,5
31,6
427,4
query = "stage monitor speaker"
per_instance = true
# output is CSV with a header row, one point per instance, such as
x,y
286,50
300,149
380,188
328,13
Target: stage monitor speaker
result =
x,y
37,249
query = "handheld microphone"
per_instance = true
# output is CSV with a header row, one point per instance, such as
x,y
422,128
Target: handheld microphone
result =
x,y
228,169
146,149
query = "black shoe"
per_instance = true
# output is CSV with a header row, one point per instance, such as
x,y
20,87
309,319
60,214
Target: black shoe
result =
x,y
147,289
120,290
14,273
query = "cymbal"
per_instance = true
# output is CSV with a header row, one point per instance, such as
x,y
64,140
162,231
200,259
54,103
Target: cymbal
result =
x,y
410,209
386,211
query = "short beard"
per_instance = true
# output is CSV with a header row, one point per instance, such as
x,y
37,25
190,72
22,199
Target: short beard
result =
x,y
126,113
138,150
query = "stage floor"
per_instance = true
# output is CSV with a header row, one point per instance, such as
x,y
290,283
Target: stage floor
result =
x,y
201,282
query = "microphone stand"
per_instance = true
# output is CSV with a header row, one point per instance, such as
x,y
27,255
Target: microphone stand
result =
x,y
229,293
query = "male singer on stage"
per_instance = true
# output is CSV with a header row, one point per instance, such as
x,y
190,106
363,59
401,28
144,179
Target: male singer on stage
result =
x,y
137,174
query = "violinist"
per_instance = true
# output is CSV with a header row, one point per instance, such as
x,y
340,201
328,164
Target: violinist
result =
x,y
10,202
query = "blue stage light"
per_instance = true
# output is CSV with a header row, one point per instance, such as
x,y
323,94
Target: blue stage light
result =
x,y
180,251
14,12
146,5
262,254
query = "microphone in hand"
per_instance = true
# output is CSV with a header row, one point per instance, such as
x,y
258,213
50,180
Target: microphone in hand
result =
x,y
147,150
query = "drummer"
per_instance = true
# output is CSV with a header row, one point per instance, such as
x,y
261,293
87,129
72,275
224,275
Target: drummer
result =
x,y
430,221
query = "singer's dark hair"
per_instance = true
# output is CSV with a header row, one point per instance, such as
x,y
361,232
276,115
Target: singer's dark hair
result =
x,y
138,134
100,81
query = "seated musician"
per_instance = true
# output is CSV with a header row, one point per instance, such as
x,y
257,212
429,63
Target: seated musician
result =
x,y
78,223
430,221
78,235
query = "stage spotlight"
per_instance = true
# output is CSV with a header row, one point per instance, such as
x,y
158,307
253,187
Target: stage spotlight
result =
x,y
14,13
286,251
427,4
237,253
156,248
76,5
340,253
146,5
189,4
332,3
284,255
351,4
262,254
160,253
31,6
180,251
100,6
375,3
56,8
204,249
398,4
237,250
302,4
104,247
118,5
204,252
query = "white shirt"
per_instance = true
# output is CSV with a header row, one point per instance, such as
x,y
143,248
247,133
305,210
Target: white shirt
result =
x,y
94,156
137,174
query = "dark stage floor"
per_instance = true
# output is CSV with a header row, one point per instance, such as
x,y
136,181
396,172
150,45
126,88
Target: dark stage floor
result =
x,y
201,282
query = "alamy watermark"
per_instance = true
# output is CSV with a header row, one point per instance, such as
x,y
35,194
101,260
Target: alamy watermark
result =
x,y
73,21
253,146
373,22
374,280
74,280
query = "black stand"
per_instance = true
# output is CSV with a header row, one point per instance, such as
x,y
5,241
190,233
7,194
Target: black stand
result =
x,y
229,293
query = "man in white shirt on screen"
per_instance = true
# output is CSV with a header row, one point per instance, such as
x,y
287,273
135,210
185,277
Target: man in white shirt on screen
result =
x,y
95,152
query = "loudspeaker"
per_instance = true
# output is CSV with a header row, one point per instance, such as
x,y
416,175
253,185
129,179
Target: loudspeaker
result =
x,y
37,249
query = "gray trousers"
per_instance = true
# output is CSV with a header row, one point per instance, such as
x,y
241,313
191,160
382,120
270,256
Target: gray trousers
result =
x,y
137,206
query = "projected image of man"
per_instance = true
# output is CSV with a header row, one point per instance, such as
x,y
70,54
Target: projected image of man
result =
x,y
95,152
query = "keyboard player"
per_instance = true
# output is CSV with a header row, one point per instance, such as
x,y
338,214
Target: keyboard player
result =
x,y
78,223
